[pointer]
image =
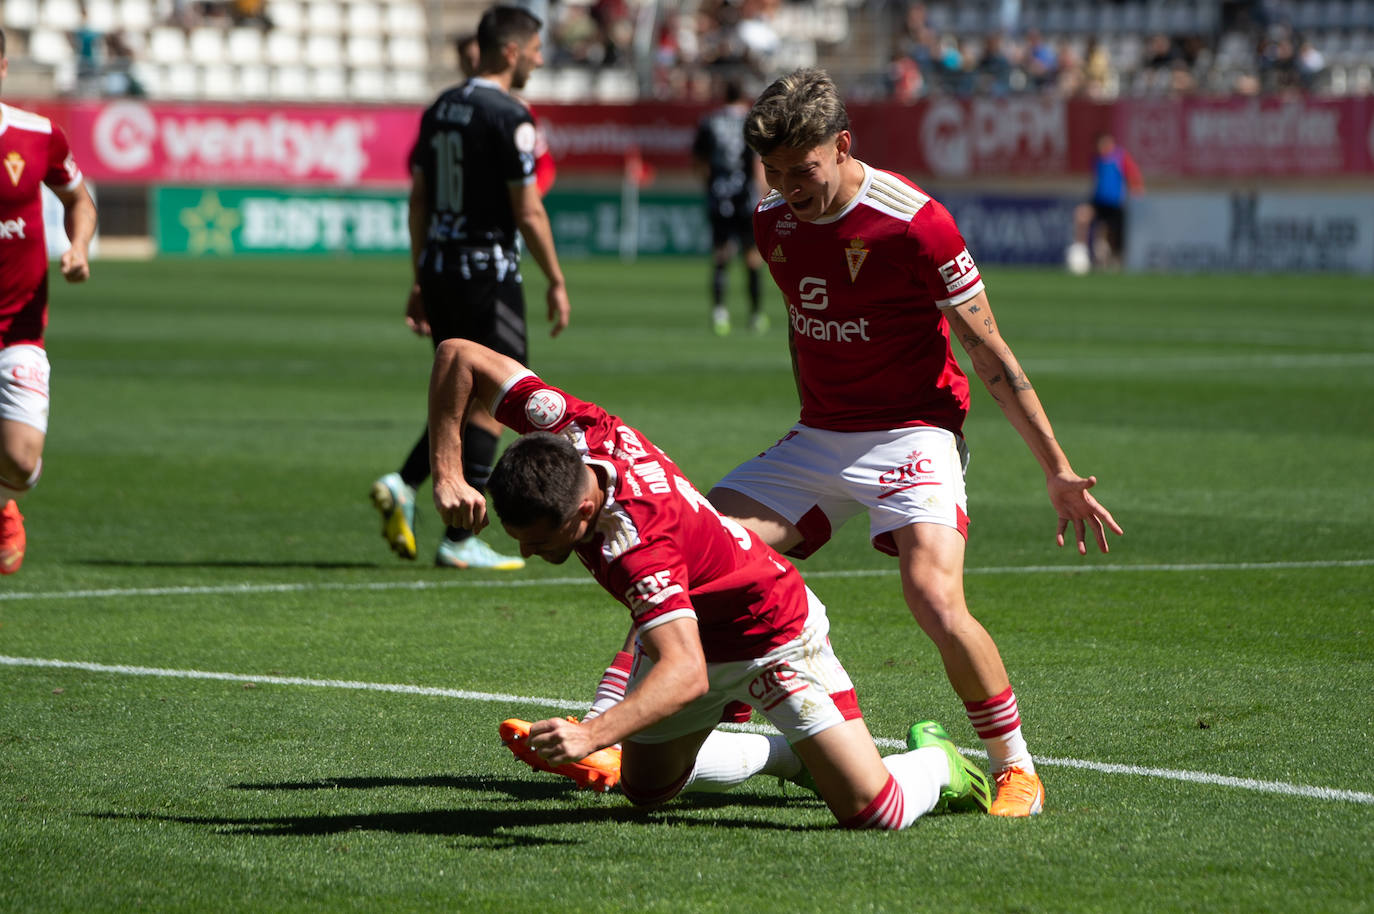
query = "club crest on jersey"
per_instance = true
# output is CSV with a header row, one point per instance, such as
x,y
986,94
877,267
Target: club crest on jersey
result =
x,y
777,256
14,164
855,256
545,408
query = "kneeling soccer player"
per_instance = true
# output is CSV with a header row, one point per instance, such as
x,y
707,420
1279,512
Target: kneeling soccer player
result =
x,y
720,616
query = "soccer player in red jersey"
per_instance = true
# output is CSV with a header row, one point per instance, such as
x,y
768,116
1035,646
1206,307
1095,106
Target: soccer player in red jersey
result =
x,y
719,616
34,152
877,278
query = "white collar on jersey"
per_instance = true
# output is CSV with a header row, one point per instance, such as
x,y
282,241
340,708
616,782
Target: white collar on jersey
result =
x,y
853,201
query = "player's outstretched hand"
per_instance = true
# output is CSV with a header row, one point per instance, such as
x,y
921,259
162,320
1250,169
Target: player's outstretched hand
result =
x,y
559,741
1075,505
416,318
75,265
460,505
560,311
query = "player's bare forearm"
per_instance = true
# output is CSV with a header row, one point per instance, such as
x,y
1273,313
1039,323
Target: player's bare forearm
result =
x,y
973,324
996,366
677,678
464,373
533,222
79,220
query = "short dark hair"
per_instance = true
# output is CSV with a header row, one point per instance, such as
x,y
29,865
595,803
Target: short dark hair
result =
x,y
798,111
501,25
539,477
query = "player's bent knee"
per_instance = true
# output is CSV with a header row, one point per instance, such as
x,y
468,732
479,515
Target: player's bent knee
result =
x,y
18,476
648,797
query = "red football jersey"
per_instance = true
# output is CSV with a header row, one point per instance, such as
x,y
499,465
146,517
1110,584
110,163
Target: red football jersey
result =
x,y
864,292
659,546
33,150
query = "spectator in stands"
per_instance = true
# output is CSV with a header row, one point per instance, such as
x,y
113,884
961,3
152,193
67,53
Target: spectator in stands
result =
x,y
905,82
1069,77
614,29
89,44
575,37
1099,76
994,68
1311,65
119,67
1100,223
250,12
1040,61
1279,62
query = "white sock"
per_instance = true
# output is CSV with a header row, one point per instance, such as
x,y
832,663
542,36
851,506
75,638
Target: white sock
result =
x,y
727,760
922,774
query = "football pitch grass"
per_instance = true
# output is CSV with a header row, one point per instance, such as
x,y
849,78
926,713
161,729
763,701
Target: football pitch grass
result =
x,y
220,692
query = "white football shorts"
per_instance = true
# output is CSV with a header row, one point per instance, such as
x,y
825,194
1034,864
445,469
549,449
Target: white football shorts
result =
x,y
819,479
800,687
24,385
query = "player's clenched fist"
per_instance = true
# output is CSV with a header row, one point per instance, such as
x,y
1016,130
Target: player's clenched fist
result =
x,y
460,505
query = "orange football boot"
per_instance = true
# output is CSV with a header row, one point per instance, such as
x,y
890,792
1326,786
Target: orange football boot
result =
x,y
12,538
600,771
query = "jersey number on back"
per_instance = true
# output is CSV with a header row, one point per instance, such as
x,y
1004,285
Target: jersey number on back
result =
x,y
448,171
698,501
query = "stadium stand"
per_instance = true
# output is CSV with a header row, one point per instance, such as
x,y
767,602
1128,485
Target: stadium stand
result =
x,y
617,50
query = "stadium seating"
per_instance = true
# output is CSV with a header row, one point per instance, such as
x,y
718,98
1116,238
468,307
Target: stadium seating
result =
x,y
329,50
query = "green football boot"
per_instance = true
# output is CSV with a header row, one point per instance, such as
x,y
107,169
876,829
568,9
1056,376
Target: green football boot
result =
x,y
968,788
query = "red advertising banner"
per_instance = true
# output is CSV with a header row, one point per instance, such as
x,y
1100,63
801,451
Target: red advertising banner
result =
x,y
139,142
1291,137
943,137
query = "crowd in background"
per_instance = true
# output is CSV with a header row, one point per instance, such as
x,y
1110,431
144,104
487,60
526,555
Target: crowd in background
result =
x,y
1100,50
1247,49
904,49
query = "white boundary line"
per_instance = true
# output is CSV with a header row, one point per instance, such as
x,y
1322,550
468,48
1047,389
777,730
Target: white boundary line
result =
x,y
305,586
1196,777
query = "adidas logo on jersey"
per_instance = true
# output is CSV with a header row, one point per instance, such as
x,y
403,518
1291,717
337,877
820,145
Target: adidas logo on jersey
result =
x,y
777,255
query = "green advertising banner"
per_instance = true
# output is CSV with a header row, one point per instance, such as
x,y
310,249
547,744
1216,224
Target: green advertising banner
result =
x,y
221,222
654,223
227,221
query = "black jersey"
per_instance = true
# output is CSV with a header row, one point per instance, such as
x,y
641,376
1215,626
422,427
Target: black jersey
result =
x,y
474,142
720,144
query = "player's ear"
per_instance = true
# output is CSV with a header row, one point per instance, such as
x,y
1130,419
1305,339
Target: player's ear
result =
x,y
843,142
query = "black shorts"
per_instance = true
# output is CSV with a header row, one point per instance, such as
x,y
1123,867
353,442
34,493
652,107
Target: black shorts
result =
x,y
738,227
479,307
1113,219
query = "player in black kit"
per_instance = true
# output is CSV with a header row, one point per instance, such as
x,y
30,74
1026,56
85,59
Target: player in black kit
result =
x,y
472,189
733,178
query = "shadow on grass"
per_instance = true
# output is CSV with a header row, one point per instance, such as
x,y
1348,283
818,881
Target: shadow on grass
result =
x,y
540,805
